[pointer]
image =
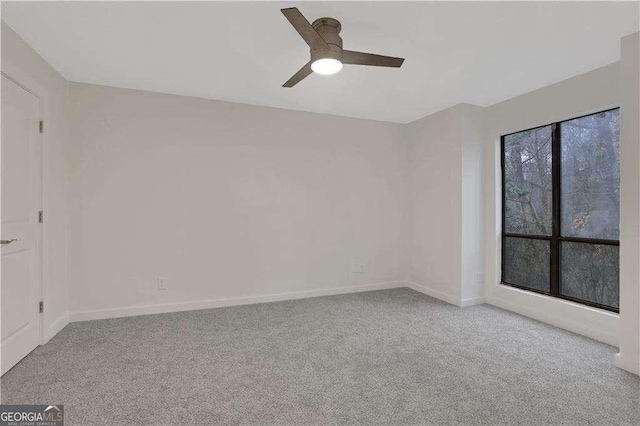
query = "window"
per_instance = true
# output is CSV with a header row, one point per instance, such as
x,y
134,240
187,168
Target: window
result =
x,y
561,209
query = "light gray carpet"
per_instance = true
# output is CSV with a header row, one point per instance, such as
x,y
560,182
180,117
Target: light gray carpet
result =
x,y
391,357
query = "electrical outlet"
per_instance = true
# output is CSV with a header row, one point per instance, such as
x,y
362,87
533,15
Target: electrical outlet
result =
x,y
358,267
163,283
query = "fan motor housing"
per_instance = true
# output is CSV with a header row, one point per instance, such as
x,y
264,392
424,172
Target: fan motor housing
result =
x,y
329,29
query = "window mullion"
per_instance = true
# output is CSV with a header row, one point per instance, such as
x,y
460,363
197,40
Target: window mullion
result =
x,y
555,217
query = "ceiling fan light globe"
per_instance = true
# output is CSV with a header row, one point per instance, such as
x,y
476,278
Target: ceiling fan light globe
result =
x,y
326,66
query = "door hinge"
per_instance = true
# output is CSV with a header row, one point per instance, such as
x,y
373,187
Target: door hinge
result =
x,y
41,306
40,216
41,126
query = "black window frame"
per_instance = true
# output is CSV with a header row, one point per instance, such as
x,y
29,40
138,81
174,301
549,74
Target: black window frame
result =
x,y
555,239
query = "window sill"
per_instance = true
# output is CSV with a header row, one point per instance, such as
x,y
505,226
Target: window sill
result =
x,y
560,300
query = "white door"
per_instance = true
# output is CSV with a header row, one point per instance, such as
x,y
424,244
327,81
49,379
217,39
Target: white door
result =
x,y
20,178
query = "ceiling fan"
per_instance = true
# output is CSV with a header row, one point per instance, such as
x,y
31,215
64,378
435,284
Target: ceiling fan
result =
x,y
327,55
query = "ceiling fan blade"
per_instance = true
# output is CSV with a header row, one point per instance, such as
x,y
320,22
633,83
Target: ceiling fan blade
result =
x,y
297,77
361,58
304,28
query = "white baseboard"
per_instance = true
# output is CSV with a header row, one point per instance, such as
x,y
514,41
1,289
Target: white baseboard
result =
x,y
218,303
557,321
56,326
435,293
454,300
621,362
472,301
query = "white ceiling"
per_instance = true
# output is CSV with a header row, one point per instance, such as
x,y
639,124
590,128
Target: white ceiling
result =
x,y
475,52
